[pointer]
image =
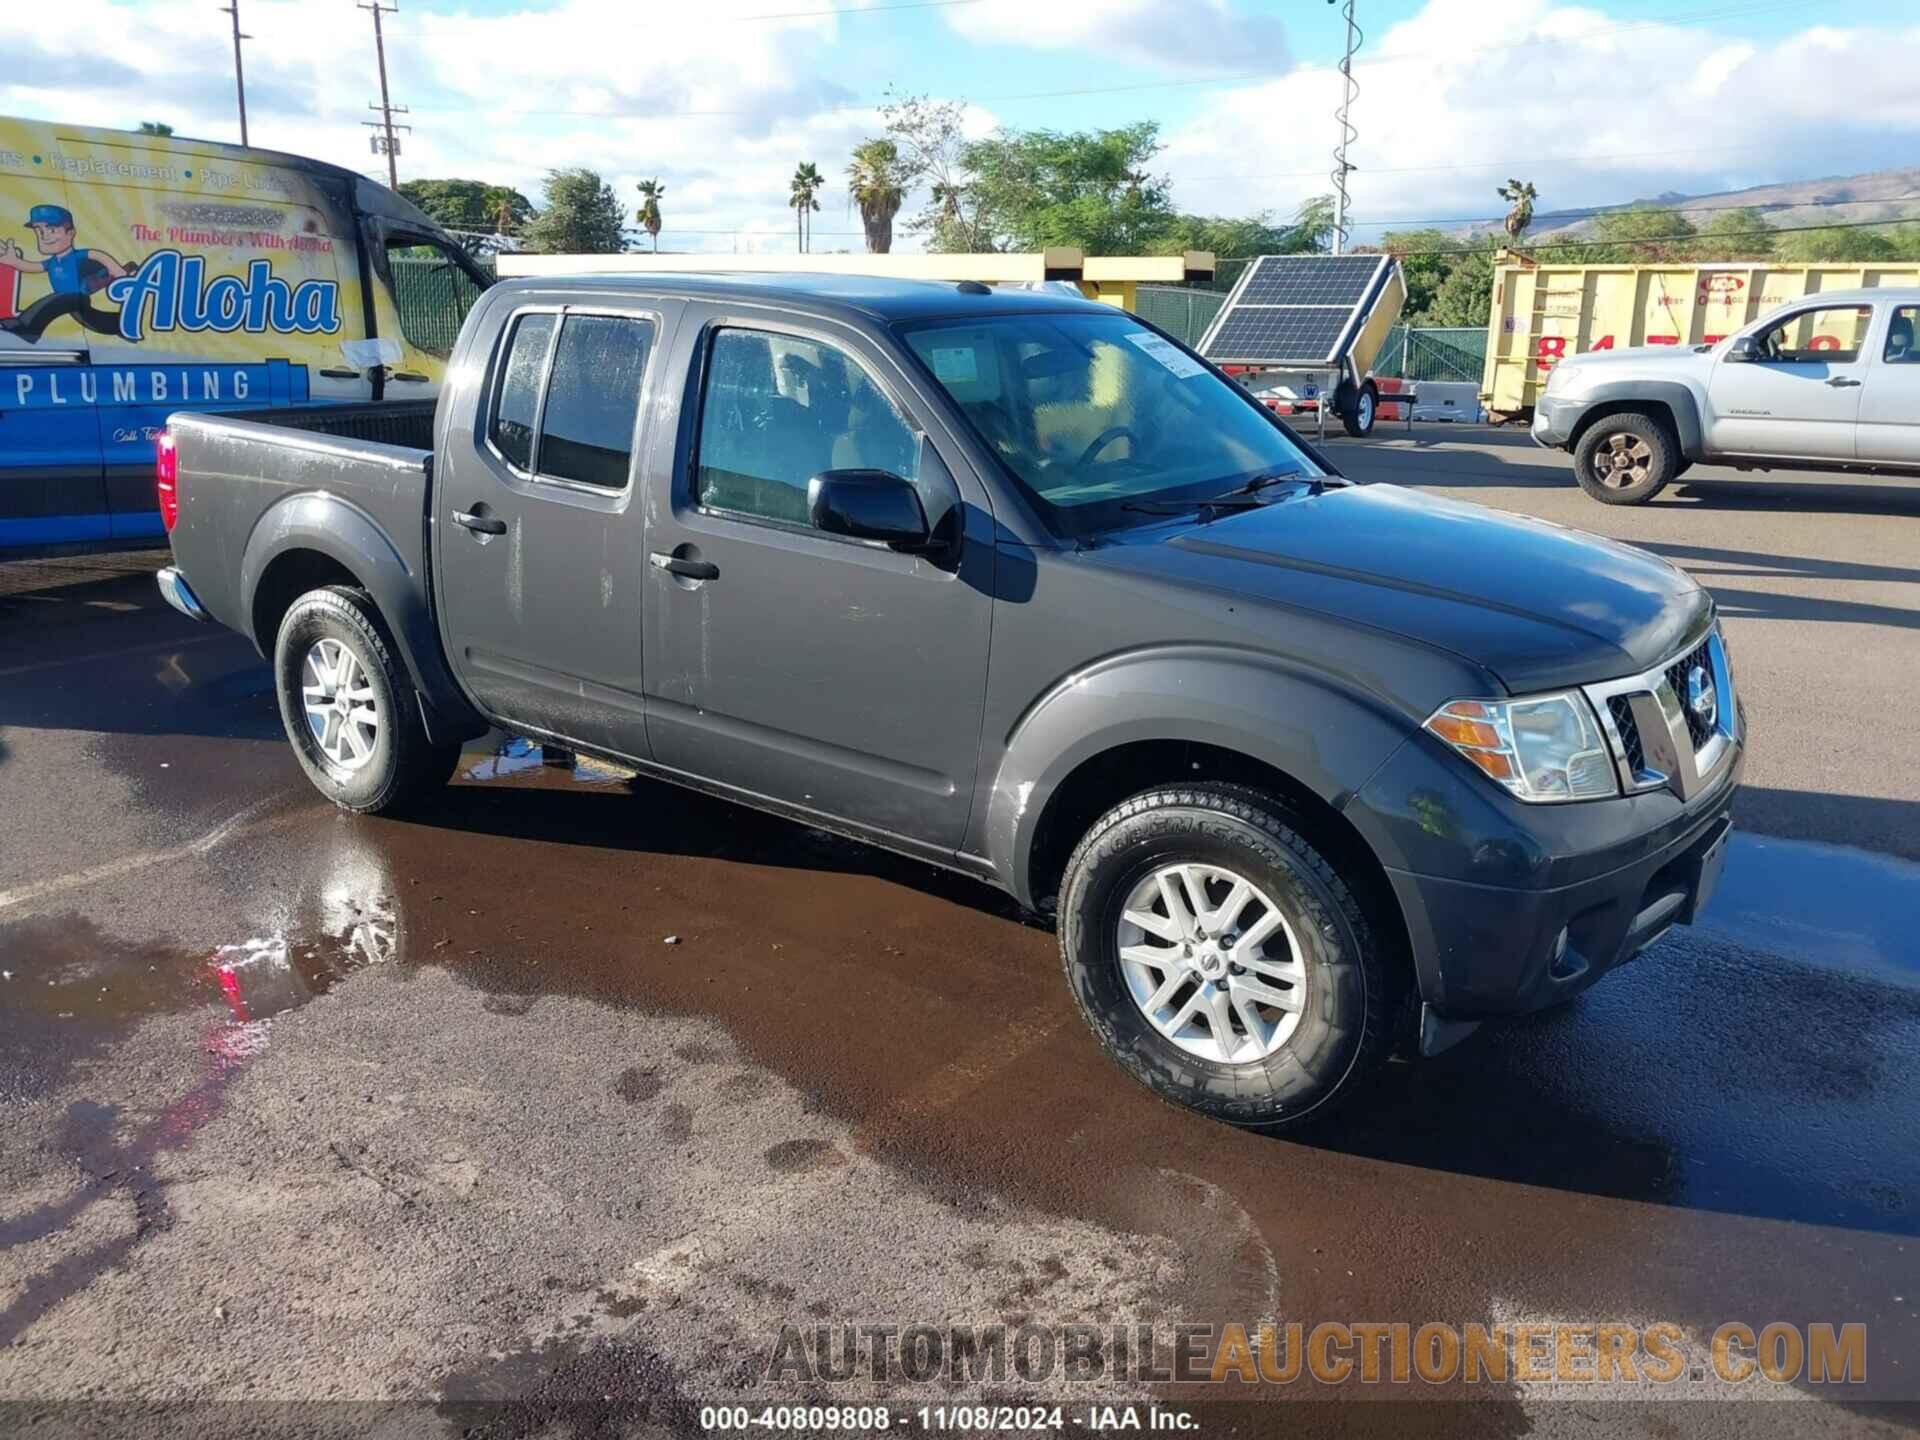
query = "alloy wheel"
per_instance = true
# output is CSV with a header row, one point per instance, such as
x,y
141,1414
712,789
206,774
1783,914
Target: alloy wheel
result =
x,y
1212,962
343,713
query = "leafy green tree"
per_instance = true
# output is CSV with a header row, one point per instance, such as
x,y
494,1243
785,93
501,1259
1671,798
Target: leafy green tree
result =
x,y
470,204
581,216
1427,257
1465,296
1090,188
930,136
1813,247
1639,234
1231,237
649,212
877,182
1735,235
155,127
802,189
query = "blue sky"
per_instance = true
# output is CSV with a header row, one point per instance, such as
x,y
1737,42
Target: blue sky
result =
x,y
1594,102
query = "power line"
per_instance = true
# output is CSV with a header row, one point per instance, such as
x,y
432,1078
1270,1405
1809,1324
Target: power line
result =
x,y
861,10
1673,22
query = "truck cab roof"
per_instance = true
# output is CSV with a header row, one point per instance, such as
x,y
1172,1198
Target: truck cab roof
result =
x,y
870,297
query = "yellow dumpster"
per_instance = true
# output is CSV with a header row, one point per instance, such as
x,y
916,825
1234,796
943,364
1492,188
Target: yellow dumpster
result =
x,y
1543,313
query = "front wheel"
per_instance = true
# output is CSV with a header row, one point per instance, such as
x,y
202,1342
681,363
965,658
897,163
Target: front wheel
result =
x,y
1220,958
349,707
1359,416
1625,459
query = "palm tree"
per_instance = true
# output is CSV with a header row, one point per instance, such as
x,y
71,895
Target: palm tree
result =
x,y
501,213
806,183
649,212
876,185
1522,194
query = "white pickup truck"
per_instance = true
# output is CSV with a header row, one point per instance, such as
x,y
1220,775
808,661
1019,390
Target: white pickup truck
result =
x,y
1829,382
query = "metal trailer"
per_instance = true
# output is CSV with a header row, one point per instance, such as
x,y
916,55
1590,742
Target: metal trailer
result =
x,y
1304,330
1543,313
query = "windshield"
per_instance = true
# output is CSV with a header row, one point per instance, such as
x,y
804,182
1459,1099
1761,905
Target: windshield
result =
x,y
1095,414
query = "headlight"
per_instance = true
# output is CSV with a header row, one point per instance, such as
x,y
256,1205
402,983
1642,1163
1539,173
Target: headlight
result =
x,y
1540,747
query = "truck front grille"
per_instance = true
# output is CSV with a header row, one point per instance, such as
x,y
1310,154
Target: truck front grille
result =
x,y
1658,738
1623,721
1698,730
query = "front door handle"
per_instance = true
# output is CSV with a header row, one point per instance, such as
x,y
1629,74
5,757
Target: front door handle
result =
x,y
480,524
690,569
1840,382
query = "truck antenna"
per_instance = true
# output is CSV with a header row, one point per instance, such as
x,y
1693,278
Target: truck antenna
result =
x,y
1349,91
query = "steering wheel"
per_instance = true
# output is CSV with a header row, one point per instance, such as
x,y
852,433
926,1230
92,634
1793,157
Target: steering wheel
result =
x,y
1105,438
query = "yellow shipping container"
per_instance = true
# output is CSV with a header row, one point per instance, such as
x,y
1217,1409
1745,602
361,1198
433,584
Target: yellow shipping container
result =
x,y
1543,313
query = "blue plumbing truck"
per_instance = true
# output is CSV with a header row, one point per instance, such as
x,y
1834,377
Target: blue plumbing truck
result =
x,y
142,275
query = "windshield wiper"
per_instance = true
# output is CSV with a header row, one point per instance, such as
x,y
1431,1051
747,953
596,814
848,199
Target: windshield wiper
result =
x,y
1206,504
1269,478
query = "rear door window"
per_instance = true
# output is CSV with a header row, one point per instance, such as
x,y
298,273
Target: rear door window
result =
x,y
593,400
516,408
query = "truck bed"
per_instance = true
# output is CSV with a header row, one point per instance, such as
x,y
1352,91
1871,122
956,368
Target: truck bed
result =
x,y
353,479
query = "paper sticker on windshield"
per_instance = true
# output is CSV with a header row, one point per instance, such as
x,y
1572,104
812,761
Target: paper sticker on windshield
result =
x,y
1167,353
955,365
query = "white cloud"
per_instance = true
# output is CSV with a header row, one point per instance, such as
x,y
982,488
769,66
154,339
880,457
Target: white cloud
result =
x,y
720,108
1612,110
1183,34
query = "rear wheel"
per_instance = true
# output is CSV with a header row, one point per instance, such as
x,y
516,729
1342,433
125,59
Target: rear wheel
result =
x,y
1358,416
1625,459
1220,958
349,707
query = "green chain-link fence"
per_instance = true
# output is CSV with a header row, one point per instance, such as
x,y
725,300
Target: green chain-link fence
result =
x,y
1433,353
1181,312
433,298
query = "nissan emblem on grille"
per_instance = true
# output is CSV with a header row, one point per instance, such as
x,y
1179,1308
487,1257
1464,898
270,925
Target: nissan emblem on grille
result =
x,y
1700,697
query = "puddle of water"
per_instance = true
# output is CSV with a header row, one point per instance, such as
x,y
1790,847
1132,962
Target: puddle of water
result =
x,y
68,988
1825,905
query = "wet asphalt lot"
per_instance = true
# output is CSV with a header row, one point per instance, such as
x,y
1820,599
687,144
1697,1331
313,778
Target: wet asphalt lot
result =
x,y
302,1106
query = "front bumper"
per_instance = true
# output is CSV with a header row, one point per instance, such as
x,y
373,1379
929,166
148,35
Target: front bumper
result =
x,y
1512,907
1553,422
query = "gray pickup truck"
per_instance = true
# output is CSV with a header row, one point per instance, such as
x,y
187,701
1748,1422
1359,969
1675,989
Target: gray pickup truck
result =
x,y
1831,382
1015,584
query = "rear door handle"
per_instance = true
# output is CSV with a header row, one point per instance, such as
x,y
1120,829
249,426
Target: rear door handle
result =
x,y
691,569
480,524
1840,382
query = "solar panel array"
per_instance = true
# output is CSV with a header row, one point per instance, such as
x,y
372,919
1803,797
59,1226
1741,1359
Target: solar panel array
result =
x,y
1295,309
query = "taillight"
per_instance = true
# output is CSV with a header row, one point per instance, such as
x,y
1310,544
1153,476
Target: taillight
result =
x,y
166,478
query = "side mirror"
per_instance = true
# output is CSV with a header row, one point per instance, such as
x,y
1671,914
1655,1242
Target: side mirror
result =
x,y
868,505
1742,351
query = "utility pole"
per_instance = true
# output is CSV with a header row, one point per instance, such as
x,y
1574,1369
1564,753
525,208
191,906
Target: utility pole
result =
x,y
384,141
239,74
1348,91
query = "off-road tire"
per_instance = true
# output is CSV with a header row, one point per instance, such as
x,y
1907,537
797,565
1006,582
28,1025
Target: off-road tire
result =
x,y
1361,411
405,765
1346,1025
1634,433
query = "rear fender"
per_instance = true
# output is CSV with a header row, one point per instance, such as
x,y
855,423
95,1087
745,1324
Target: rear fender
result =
x,y
340,530
1326,739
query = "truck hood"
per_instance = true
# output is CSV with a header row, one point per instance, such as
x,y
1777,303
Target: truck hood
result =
x,y
1537,605
1597,363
